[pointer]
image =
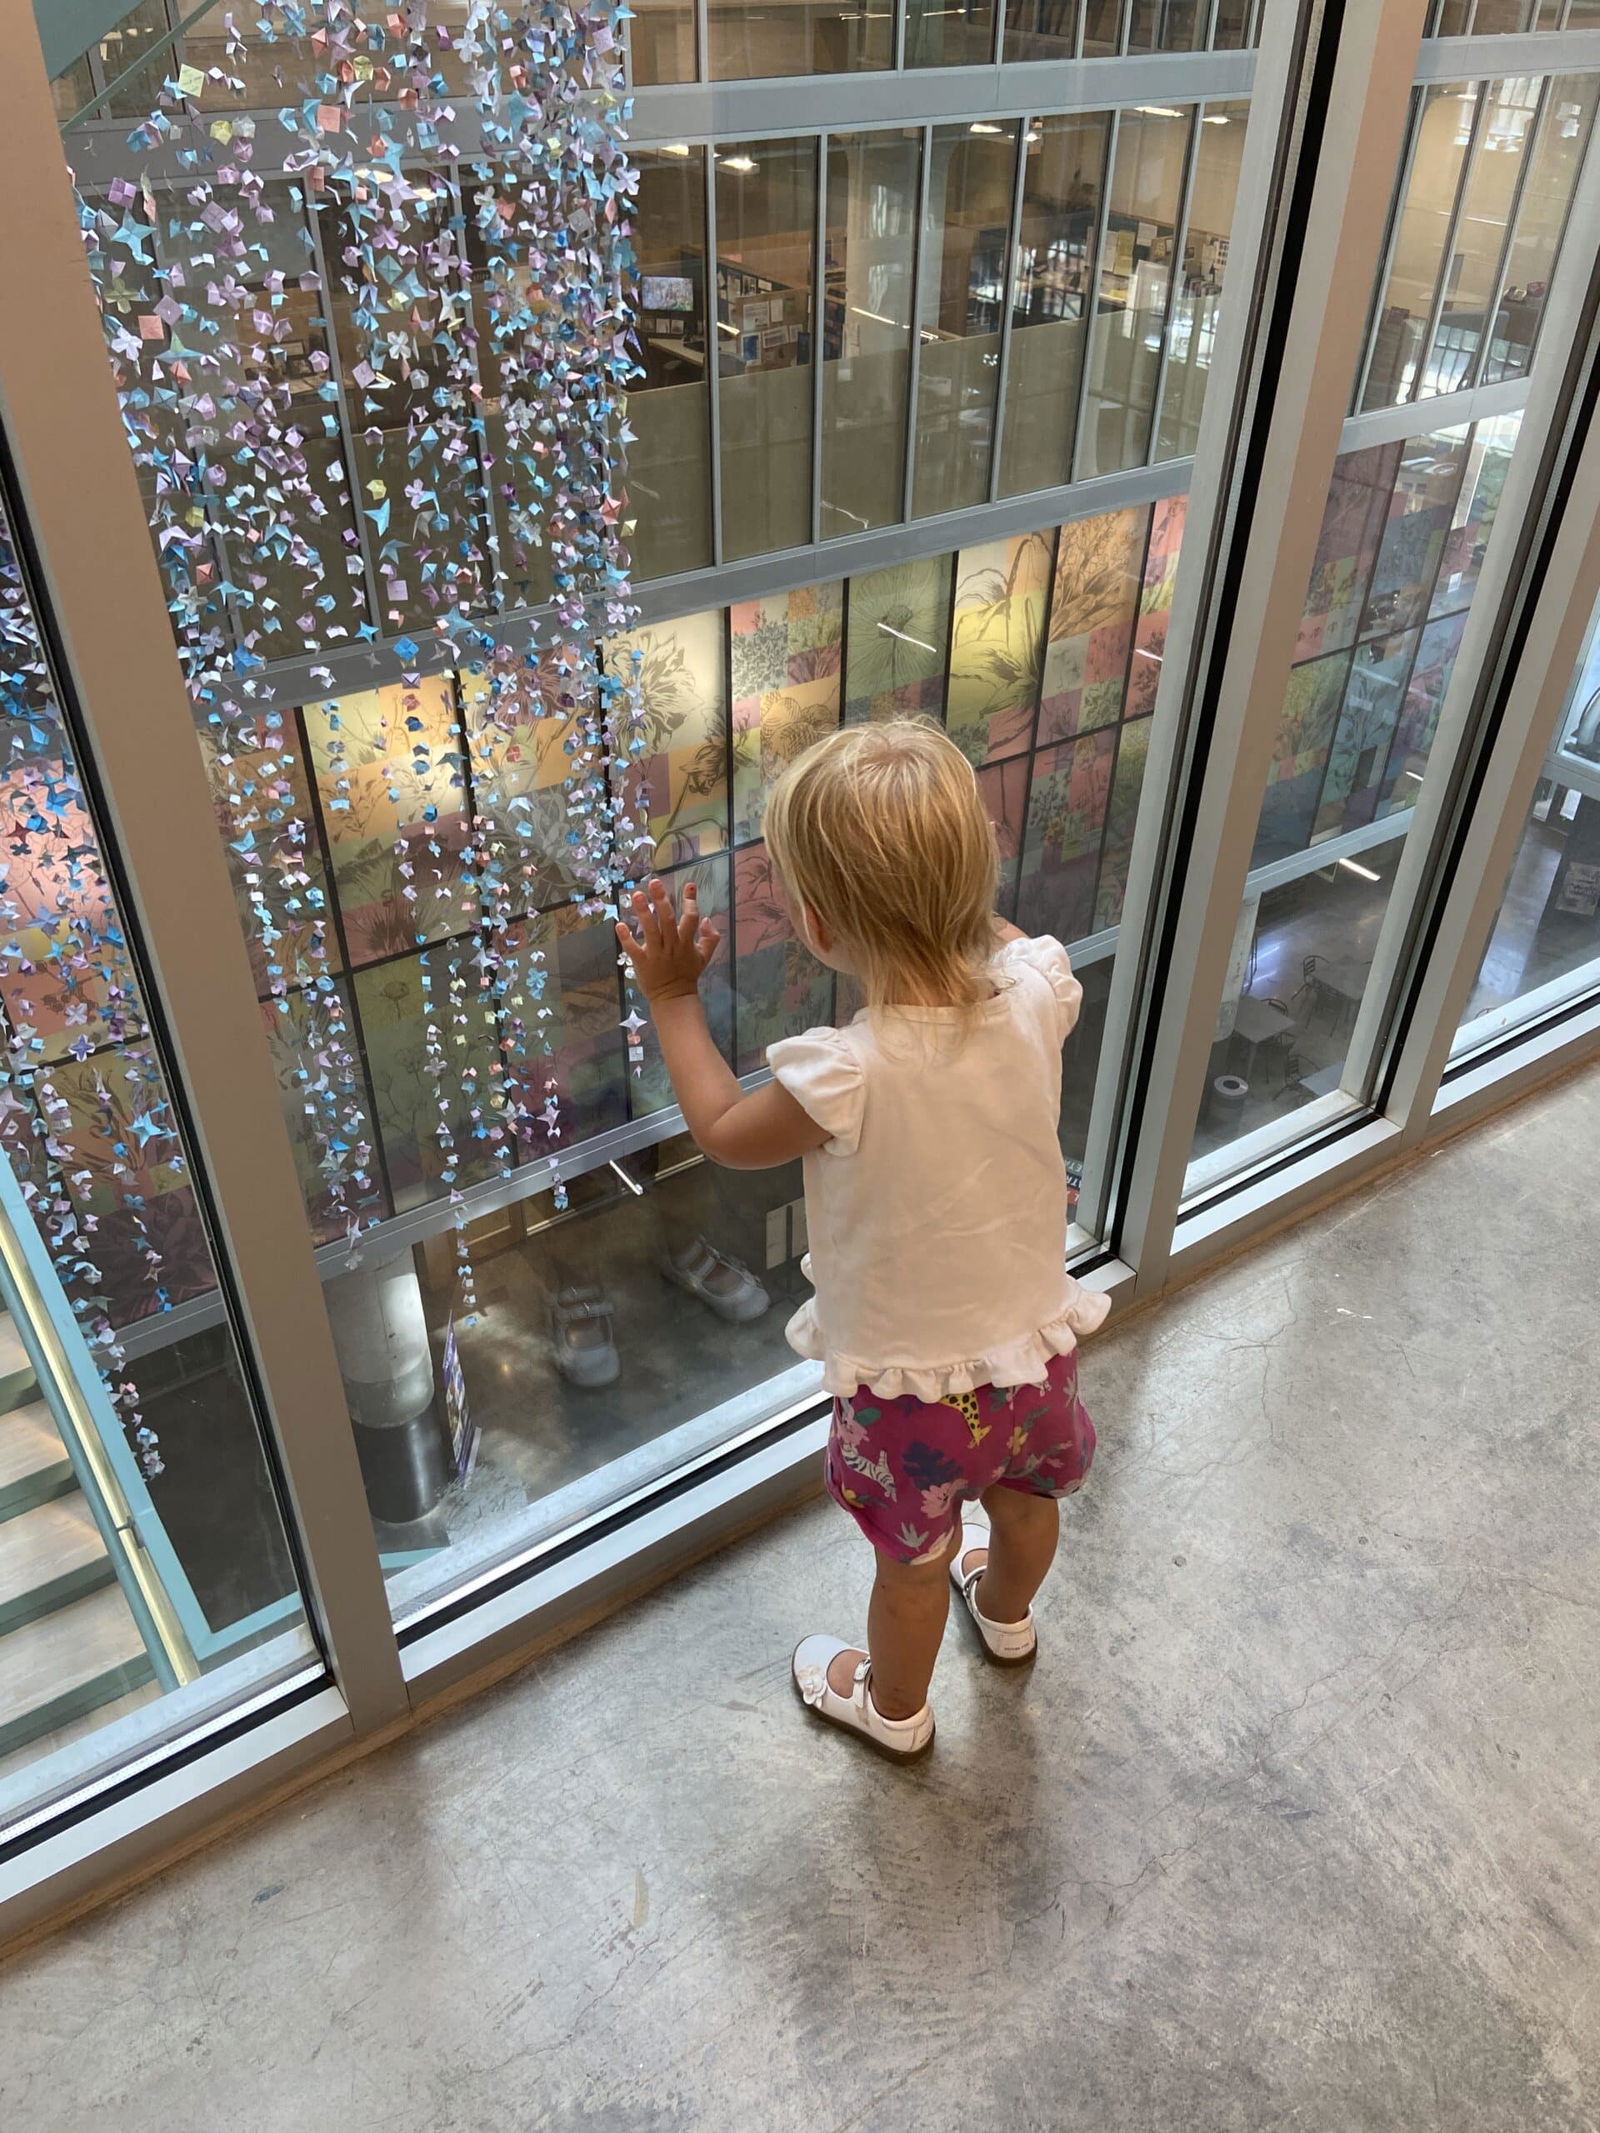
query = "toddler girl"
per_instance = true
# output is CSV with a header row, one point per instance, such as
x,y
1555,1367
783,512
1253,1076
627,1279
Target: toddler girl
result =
x,y
936,1200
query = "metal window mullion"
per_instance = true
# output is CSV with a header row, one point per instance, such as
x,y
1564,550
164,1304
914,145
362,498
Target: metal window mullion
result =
x,y
1180,240
1094,1199
1524,634
1391,244
347,431
1325,135
345,975
919,268
1091,311
713,352
1469,159
819,318
106,613
997,48
1008,287
1535,137
1210,43
1125,27
702,40
901,10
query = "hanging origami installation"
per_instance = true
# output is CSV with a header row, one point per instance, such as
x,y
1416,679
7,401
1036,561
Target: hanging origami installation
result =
x,y
364,283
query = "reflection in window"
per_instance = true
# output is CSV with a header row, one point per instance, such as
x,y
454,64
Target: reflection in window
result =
x,y
750,40
1132,287
1063,174
867,325
1490,159
1443,132
766,222
963,273
1397,562
1565,123
669,461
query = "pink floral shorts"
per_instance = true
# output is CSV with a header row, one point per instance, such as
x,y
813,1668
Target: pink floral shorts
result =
x,y
903,1468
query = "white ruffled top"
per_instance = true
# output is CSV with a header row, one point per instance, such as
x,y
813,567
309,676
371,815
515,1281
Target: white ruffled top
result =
x,y
937,1208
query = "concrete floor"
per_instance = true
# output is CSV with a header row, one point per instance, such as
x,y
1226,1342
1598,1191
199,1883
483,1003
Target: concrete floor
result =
x,y
1292,1826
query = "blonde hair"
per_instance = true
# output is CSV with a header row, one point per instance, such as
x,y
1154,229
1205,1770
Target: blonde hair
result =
x,y
882,831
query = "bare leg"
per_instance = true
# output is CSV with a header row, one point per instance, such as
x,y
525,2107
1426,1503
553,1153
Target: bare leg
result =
x,y
1024,1530
905,1623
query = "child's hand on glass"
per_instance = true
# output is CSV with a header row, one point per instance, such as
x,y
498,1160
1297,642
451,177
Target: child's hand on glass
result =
x,y
669,951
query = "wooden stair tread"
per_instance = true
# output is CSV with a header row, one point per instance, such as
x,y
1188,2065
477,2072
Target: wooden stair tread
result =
x,y
52,1541
30,1445
63,1653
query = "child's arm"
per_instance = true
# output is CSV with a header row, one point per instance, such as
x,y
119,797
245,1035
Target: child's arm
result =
x,y
668,954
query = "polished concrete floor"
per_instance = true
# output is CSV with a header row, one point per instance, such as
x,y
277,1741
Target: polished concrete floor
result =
x,y
1293,1826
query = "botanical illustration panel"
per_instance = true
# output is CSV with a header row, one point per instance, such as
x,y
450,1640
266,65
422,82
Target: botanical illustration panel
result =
x,y
1098,576
785,667
682,794
389,770
997,645
1066,822
779,986
897,641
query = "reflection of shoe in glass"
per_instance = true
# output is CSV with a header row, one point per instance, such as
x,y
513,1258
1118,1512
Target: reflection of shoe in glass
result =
x,y
580,1331
721,1283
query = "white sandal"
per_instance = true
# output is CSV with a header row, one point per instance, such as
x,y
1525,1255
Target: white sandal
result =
x,y
903,1740
1006,1643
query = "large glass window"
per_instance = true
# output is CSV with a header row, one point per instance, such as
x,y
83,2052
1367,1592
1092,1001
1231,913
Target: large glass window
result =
x,y
669,460
1197,293
1546,941
1062,181
766,238
949,33
749,39
868,270
145,1576
965,238
1492,169
1133,286
1402,541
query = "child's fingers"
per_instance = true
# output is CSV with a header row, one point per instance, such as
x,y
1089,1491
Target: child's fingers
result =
x,y
645,919
661,908
629,945
708,940
691,915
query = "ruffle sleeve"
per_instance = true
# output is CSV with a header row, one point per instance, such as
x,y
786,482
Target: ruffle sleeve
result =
x,y
821,1072
1047,956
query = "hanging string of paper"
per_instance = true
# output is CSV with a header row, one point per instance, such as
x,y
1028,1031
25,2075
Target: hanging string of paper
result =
x,y
365,291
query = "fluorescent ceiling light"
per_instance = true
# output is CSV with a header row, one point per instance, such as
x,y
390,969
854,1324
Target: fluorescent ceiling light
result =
x,y
1158,111
1366,873
982,126
674,148
739,163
